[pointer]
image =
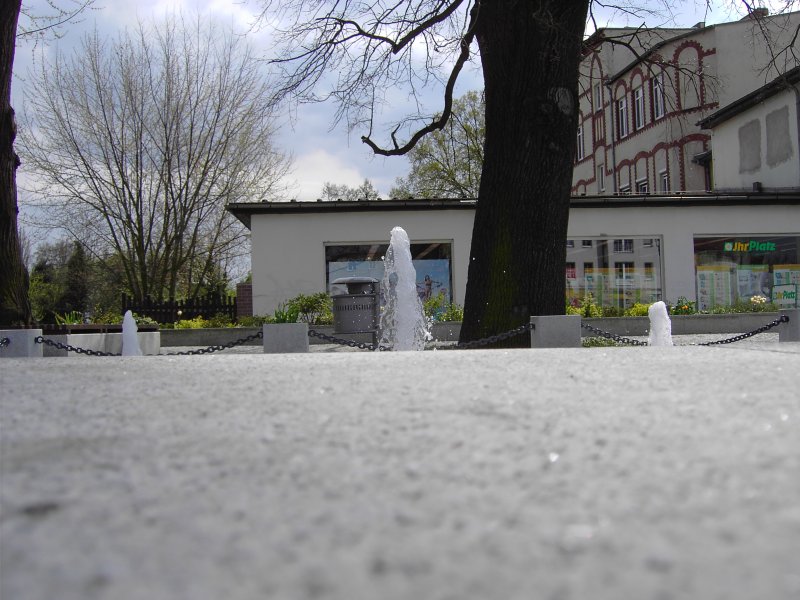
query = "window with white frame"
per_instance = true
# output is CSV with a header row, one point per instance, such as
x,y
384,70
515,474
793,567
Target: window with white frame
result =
x,y
663,181
598,97
642,187
579,149
624,246
658,96
601,177
622,117
638,108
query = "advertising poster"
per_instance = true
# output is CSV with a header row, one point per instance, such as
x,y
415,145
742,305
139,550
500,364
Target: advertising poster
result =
x,y
786,275
714,286
433,275
753,280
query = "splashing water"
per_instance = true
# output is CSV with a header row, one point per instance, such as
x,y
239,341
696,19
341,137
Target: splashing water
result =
x,y
403,323
660,325
130,341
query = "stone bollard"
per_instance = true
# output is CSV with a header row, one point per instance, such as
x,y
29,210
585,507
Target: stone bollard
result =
x,y
556,331
790,332
284,338
21,343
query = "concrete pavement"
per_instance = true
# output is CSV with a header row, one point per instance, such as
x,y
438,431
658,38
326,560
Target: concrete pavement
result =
x,y
603,473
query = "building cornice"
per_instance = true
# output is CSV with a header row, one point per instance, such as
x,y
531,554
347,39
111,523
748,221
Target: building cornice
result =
x,y
245,210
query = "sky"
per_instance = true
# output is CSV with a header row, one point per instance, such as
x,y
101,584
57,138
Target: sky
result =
x,y
321,151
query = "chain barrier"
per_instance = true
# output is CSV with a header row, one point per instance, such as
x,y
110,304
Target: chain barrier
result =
x,y
349,343
5,342
744,336
208,350
495,338
216,348
631,342
69,348
621,339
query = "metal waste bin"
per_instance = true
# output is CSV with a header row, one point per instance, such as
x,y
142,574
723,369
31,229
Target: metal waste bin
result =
x,y
357,311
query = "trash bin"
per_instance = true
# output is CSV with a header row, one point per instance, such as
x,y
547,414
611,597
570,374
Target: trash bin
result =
x,y
357,311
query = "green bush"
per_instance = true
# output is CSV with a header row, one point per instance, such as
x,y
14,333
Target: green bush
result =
x,y
588,309
637,310
286,313
612,311
219,320
314,309
682,306
196,323
72,317
255,321
439,308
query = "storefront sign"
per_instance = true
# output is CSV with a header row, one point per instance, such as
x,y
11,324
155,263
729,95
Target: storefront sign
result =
x,y
749,246
785,296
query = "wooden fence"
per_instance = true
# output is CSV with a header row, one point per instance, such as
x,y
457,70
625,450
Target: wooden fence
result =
x,y
169,311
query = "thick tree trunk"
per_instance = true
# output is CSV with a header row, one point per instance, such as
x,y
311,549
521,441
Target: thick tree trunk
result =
x,y
530,53
15,307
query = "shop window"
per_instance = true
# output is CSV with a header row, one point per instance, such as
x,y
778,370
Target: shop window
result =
x,y
619,283
732,270
432,261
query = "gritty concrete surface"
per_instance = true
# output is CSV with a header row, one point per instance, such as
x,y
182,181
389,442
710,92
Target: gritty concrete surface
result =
x,y
603,474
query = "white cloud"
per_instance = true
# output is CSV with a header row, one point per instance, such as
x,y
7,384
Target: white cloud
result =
x,y
314,169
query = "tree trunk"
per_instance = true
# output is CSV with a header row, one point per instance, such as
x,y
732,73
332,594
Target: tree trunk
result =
x,y
15,308
530,52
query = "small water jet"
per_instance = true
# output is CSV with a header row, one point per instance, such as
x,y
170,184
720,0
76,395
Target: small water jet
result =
x,y
403,325
660,325
130,340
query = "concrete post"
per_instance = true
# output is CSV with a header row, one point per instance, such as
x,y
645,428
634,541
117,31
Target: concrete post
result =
x,y
556,331
21,344
284,338
790,332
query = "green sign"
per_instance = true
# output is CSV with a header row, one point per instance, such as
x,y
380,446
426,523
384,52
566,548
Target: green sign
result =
x,y
785,295
750,246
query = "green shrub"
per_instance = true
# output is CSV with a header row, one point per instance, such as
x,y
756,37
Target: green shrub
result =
x,y
588,308
286,313
255,321
314,309
219,320
612,311
637,310
439,308
196,323
72,317
682,306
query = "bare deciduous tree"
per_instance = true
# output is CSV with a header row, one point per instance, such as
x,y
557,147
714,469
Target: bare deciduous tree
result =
x,y
139,142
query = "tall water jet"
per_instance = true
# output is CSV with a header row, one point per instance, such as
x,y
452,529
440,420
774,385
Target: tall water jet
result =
x,y
130,341
660,325
403,324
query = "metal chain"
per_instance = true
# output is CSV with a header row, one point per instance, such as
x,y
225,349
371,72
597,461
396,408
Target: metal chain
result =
x,y
744,336
218,347
208,350
5,342
69,348
495,338
343,342
613,336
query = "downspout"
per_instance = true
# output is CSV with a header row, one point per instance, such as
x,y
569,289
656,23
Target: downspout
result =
x,y
607,83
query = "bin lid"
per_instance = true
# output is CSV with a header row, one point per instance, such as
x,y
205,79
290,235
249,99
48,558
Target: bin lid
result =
x,y
354,280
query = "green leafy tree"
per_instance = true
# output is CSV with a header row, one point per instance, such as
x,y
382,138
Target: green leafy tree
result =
x,y
76,285
448,162
365,191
